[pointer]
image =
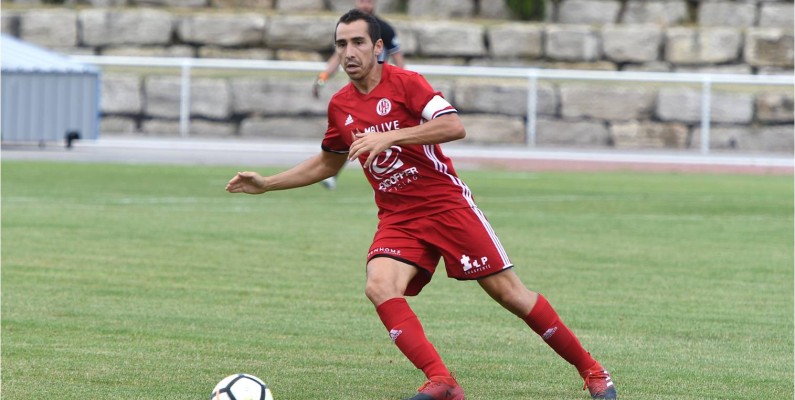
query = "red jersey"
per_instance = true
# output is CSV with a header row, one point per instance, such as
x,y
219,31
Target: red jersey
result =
x,y
410,181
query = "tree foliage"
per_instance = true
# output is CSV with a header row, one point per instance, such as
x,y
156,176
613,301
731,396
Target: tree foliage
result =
x,y
528,10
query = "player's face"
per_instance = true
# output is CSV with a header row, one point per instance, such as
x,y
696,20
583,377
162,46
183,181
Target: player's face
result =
x,y
367,6
358,55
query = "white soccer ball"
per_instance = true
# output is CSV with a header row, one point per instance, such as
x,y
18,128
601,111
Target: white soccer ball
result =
x,y
241,387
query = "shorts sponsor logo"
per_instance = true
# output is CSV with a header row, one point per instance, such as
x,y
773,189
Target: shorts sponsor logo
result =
x,y
384,250
471,266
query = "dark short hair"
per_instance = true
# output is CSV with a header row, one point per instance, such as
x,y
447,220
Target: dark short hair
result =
x,y
373,28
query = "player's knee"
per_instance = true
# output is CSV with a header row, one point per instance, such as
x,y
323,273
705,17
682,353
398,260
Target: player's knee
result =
x,y
375,292
379,291
370,292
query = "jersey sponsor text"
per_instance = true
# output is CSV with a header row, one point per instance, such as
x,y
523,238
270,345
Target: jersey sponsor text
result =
x,y
384,127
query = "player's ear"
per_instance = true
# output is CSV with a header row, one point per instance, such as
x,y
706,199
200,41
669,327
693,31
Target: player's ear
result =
x,y
379,47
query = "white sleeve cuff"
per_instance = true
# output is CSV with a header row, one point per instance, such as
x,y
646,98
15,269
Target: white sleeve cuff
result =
x,y
436,107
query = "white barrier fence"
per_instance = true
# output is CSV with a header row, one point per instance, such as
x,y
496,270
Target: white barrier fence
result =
x,y
531,75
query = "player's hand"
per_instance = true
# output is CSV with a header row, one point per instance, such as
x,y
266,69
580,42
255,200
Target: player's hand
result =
x,y
319,83
246,182
366,143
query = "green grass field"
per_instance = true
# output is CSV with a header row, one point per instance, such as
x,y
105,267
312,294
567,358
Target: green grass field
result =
x,y
151,282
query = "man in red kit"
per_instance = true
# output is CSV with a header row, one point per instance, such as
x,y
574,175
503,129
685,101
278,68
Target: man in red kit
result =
x,y
391,49
393,122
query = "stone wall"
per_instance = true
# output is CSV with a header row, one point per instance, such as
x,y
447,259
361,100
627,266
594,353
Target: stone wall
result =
x,y
743,37
569,114
752,36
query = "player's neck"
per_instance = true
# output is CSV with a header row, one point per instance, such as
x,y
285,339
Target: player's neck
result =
x,y
369,82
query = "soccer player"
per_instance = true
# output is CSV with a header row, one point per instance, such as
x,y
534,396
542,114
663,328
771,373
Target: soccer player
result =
x,y
393,122
392,45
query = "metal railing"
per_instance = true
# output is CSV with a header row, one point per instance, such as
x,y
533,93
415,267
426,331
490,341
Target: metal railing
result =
x,y
531,75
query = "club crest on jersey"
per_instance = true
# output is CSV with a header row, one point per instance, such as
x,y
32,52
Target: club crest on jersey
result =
x,y
384,107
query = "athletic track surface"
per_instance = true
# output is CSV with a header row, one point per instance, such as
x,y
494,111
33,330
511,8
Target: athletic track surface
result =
x,y
254,154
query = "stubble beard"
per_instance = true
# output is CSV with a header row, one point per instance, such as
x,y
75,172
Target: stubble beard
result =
x,y
363,72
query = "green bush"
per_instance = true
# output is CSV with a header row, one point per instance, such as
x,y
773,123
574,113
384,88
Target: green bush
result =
x,y
528,10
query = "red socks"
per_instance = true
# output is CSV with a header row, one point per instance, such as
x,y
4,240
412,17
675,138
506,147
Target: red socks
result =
x,y
406,332
546,323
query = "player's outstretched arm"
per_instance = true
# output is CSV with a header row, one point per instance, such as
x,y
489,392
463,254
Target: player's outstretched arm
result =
x,y
312,170
247,182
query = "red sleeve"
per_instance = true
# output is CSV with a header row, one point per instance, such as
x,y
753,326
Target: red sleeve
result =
x,y
332,141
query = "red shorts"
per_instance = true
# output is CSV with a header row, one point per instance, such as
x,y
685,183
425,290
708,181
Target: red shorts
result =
x,y
463,237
